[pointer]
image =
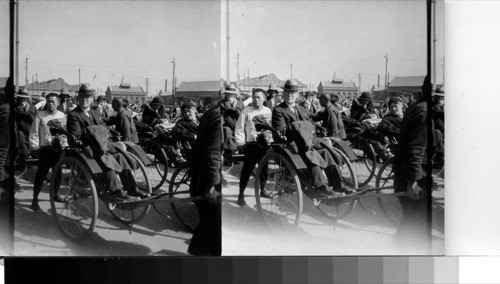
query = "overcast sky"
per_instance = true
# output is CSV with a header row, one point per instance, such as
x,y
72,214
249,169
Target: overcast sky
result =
x,y
321,38
111,39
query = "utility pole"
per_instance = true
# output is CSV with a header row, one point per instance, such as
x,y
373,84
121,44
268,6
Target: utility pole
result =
x,y
378,81
238,69
228,79
173,77
434,40
37,84
79,81
16,76
386,76
359,81
26,78
147,86
443,70
291,71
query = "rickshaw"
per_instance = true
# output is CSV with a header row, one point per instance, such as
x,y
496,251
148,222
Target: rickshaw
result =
x,y
283,173
77,177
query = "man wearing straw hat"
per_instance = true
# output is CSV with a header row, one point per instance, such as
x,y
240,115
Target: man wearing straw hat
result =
x,y
272,91
231,109
63,101
25,114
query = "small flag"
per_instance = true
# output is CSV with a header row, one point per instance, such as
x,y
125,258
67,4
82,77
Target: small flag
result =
x,y
94,76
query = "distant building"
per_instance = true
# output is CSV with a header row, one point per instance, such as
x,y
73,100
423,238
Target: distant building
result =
x,y
50,86
126,91
247,84
199,89
338,86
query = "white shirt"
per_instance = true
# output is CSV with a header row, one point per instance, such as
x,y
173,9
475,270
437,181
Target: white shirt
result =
x,y
245,128
40,132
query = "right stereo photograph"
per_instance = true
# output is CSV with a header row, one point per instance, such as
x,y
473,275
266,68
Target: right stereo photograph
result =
x,y
333,127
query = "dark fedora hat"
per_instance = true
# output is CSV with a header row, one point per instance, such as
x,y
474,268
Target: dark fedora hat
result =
x,y
86,90
365,96
101,98
309,94
230,89
291,85
157,101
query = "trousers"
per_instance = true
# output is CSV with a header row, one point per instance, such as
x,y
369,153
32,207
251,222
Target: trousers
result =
x,y
253,155
47,159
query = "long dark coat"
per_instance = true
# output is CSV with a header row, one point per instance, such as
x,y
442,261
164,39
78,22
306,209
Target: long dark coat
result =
x,y
411,156
207,160
24,118
231,113
77,122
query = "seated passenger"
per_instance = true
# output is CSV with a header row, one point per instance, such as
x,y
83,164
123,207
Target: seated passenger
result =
x,y
122,121
283,116
82,117
330,118
186,128
153,112
362,107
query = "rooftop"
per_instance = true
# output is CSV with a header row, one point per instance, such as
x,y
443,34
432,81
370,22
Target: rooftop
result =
x,y
199,86
409,81
338,84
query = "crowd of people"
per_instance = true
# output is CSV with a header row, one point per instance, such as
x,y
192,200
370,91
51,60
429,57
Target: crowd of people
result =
x,y
231,124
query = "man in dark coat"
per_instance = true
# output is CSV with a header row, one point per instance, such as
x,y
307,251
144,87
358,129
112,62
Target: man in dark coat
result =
x,y
102,107
122,121
205,175
308,104
271,102
283,116
78,121
25,114
410,175
231,109
330,118
153,112
362,107
186,128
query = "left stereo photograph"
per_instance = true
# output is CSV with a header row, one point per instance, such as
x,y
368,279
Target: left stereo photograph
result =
x,y
110,128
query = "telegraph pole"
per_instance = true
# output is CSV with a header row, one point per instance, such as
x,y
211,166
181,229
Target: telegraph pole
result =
x,y
238,69
16,76
386,62
173,77
291,71
79,81
443,70
434,40
26,78
228,79
359,81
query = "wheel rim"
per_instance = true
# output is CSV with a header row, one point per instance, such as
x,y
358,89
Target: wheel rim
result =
x,y
366,162
77,215
127,215
157,171
391,206
331,207
184,210
282,211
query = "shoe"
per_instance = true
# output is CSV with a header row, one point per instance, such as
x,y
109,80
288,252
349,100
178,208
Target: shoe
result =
x,y
344,189
264,193
324,190
34,205
120,195
241,200
139,193
58,198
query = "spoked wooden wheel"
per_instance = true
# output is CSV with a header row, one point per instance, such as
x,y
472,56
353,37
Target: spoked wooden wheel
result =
x,y
158,170
330,207
186,210
391,206
77,215
278,177
366,163
126,215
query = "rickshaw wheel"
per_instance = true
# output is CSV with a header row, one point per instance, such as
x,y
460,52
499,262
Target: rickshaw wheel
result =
x,y
125,215
186,210
75,217
158,170
283,210
329,206
366,163
390,206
